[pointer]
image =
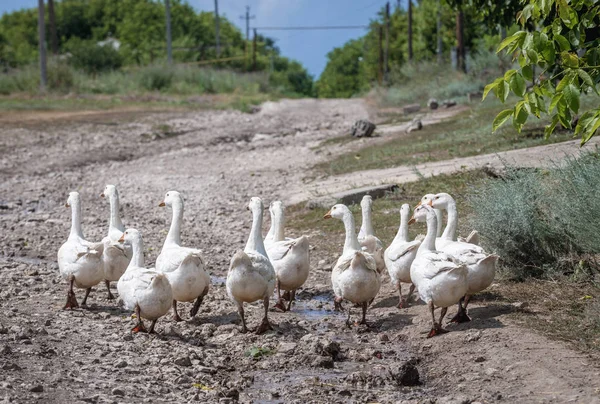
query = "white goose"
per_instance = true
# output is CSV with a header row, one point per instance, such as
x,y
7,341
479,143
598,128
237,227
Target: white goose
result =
x,y
451,226
290,257
400,255
439,278
481,266
251,276
79,261
183,266
366,235
143,290
354,277
116,256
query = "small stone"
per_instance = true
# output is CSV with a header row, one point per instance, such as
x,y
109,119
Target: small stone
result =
x,y
491,371
183,361
117,392
384,338
48,323
38,388
473,336
323,362
407,374
479,359
121,364
432,103
128,337
287,347
363,128
345,393
5,350
520,305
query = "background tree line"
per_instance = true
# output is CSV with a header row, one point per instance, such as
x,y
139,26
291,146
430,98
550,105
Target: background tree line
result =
x,y
87,31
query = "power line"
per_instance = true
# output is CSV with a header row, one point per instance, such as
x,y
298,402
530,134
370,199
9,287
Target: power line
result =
x,y
311,28
247,17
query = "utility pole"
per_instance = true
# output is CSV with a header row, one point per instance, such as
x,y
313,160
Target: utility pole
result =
x,y
254,51
460,48
380,70
168,16
247,17
410,36
52,21
439,32
218,42
42,45
387,43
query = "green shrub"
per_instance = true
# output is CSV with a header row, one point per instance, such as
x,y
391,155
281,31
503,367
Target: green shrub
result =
x,y
60,76
91,57
156,78
541,221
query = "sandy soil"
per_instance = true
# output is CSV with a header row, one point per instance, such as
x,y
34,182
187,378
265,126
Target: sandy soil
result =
x,y
218,160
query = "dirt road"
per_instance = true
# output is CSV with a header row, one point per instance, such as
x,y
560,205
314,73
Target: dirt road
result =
x,y
218,160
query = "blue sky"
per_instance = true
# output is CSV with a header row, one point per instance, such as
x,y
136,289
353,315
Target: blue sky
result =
x,y
309,47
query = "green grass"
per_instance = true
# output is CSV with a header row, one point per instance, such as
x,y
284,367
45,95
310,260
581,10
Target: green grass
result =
x,y
467,134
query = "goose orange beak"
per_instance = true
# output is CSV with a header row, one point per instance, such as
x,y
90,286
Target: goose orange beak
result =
x,y
102,195
430,203
122,239
162,204
67,205
327,215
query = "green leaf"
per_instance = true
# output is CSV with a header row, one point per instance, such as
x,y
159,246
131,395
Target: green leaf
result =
x,y
509,74
527,72
533,56
563,43
587,79
554,102
517,84
507,41
550,128
564,81
548,52
521,116
571,96
501,118
491,87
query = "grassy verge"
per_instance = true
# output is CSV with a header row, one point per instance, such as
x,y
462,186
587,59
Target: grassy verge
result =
x,y
558,307
467,134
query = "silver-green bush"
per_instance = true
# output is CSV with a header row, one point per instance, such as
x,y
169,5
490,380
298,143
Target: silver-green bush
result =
x,y
541,221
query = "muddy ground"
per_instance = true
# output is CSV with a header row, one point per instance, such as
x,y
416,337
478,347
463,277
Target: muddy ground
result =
x,y
218,160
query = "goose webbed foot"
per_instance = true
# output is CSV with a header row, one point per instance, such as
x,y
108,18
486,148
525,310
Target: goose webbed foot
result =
x,y
139,327
436,330
265,325
280,305
401,304
460,317
71,301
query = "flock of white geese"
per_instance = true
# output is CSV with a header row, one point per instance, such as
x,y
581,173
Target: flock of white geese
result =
x,y
444,269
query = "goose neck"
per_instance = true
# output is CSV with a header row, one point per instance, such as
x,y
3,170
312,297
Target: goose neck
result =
x,y
278,224
439,215
76,231
174,235
255,241
351,242
428,243
137,250
402,234
115,218
450,230
366,227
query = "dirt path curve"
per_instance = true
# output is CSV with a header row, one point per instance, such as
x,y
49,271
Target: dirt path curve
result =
x,y
218,160
539,156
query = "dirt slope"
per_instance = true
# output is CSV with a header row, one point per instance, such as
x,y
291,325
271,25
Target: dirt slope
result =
x,y
218,160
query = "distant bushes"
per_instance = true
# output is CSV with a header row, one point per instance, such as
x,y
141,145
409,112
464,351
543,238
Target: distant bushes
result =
x,y
88,56
543,221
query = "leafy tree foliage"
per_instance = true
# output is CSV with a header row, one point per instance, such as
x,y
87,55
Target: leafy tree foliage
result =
x,y
566,52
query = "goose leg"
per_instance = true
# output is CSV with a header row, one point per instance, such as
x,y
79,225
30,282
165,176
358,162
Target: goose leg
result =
x,y
443,314
461,316
87,293
436,328
401,301
241,312
292,298
151,330
71,299
364,314
139,327
175,314
410,293
110,295
198,302
348,323
280,302
337,304
265,325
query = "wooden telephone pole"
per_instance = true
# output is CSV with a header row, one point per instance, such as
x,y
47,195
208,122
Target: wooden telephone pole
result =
x,y
380,70
386,56
42,45
254,51
460,43
52,21
410,33
217,38
439,32
169,45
